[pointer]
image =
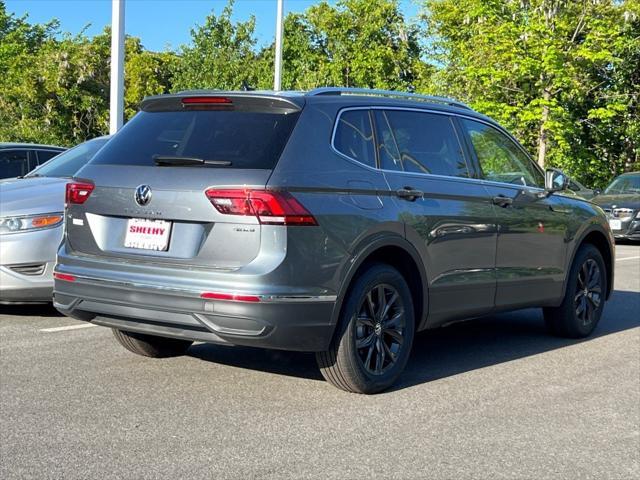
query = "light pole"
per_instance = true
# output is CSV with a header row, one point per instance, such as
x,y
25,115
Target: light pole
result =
x,y
116,98
277,77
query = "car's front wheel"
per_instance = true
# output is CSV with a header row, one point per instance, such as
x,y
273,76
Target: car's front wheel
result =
x,y
581,309
373,341
151,345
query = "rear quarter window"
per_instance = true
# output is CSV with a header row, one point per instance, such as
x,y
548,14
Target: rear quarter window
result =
x,y
246,139
354,137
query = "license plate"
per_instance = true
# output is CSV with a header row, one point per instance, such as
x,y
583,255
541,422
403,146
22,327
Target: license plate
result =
x,y
615,224
147,234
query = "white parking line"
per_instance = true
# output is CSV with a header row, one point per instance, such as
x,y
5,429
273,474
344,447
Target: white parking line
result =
x,y
68,327
627,258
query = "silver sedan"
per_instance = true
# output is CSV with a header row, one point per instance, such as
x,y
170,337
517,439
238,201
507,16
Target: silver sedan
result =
x,y
31,226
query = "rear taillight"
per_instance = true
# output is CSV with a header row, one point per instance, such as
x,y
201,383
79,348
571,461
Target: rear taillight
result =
x,y
271,208
78,192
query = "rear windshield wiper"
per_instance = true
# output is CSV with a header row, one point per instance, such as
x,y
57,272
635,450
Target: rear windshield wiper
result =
x,y
167,160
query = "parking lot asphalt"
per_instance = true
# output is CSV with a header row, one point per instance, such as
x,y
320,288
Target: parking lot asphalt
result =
x,y
486,399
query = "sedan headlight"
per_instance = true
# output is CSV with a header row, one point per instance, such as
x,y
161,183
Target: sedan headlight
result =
x,y
26,223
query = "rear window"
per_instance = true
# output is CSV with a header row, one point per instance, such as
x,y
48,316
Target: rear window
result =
x,y
246,139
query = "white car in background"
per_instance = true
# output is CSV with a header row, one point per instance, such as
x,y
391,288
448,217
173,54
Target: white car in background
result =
x,y
31,226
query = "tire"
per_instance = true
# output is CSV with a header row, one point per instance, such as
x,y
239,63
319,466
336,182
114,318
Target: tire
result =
x,y
151,345
384,344
581,309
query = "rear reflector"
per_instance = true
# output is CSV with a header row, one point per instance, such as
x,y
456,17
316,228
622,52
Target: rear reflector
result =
x,y
64,276
270,208
78,192
230,296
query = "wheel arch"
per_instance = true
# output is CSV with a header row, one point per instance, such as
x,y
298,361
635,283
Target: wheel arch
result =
x,y
400,254
599,239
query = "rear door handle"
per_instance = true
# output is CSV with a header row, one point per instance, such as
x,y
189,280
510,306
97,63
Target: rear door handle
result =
x,y
409,193
502,201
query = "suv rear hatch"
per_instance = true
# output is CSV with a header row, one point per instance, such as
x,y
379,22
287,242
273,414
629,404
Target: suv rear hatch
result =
x,y
181,184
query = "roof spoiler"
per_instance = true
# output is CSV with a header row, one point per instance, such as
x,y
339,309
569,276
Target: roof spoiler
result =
x,y
222,100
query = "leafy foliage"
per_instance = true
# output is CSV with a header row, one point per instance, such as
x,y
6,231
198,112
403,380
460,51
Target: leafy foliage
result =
x,y
55,87
222,54
561,74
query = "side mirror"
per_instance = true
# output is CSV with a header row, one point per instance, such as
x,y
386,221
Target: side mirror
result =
x,y
596,192
555,180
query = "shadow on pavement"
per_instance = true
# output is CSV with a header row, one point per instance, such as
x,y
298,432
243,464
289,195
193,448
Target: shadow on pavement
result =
x,y
30,310
443,352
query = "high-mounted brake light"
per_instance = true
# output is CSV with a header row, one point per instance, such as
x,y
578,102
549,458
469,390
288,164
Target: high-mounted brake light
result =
x,y
230,297
207,103
271,208
217,100
78,192
64,276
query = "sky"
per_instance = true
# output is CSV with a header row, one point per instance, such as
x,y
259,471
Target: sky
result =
x,y
161,24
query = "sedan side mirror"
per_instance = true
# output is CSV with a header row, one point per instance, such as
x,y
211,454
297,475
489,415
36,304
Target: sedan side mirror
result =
x,y
555,180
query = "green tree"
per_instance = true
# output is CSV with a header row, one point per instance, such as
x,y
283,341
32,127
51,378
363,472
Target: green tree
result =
x,y
146,73
221,54
54,87
354,43
553,71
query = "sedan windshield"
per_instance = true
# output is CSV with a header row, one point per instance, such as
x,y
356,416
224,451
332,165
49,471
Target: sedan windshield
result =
x,y
68,163
624,184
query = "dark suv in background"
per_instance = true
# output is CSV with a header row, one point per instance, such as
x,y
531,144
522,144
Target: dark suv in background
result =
x,y
337,221
621,202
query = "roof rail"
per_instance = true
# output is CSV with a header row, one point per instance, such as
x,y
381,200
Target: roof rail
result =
x,y
385,93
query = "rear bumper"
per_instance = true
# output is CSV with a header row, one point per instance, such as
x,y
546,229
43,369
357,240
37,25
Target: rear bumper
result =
x,y
287,322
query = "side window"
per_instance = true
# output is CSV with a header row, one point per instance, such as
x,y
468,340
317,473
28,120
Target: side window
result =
x,y
354,137
419,142
501,160
13,163
44,155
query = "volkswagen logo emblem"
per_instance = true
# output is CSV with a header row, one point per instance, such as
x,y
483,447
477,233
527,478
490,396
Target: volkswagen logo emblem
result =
x,y
143,195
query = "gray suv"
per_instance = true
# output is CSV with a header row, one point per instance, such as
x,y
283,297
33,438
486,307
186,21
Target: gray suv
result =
x,y
338,221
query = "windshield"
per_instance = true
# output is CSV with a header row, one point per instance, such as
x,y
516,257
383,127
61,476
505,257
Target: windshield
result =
x,y
68,163
624,184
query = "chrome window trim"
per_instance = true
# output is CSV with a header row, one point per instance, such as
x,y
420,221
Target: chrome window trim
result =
x,y
432,175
